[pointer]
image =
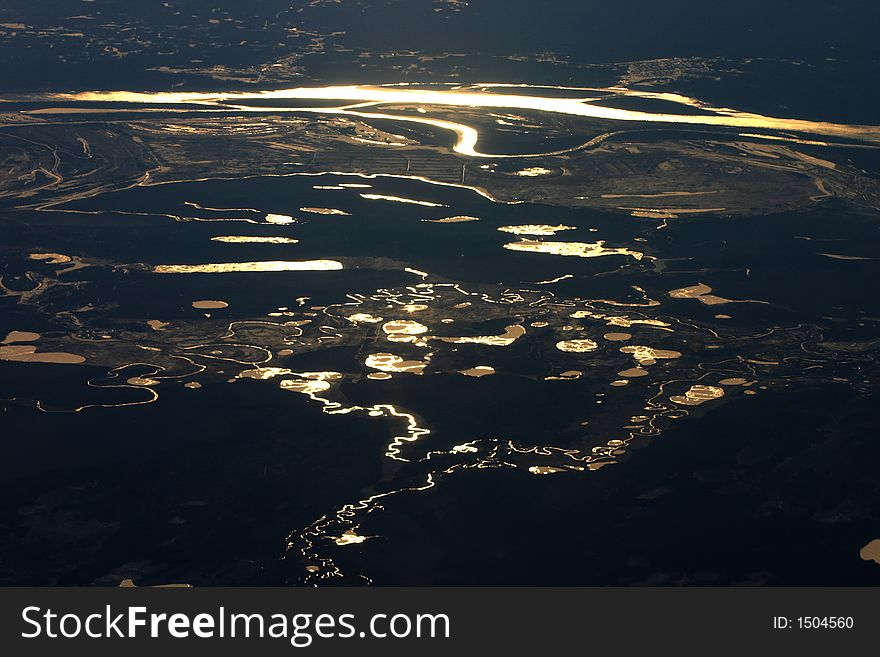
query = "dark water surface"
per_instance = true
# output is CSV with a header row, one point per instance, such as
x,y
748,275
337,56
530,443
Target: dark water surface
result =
x,y
318,339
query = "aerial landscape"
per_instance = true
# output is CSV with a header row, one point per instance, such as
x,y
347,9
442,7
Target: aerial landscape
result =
x,y
439,293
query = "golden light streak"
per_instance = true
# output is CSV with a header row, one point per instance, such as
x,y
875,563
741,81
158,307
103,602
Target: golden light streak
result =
x,y
270,265
467,137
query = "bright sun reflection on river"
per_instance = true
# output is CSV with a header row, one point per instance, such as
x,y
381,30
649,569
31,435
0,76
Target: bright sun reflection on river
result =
x,y
582,105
